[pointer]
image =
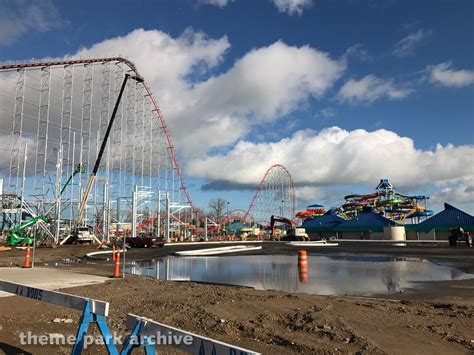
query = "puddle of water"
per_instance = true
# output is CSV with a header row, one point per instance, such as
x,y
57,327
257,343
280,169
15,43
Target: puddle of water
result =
x,y
344,274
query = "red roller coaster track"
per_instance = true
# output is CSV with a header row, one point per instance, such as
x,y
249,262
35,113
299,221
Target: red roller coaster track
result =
x,y
159,115
262,185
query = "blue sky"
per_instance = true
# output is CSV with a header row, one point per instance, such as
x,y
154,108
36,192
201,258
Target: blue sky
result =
x,y
403,67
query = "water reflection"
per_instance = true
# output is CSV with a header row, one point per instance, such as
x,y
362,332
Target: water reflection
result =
x,y
327,275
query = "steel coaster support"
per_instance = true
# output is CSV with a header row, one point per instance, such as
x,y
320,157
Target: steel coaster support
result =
x,y
42,132
153,160
44,227
13,181
86,124
58,195
134,341
116,138
172,151
122,147
139,136
104,103
87,318
104,113
66,115
93,175
130,134
148,151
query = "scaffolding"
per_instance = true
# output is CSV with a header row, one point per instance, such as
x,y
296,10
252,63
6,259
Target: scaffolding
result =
x,y
53,117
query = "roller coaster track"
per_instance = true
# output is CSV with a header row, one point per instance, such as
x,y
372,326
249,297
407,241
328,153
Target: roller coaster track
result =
x,y
276,185
274,195
61,63
132,67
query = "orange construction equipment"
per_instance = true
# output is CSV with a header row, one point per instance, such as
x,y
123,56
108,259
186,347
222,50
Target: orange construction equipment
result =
x,y
27,258
117,264
283,220
303,266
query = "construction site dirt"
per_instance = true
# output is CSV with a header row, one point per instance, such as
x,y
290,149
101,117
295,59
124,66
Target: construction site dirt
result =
x,y
437,317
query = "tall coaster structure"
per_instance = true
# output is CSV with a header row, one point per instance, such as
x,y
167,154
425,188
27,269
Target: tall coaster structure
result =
x,y
275,195
53,117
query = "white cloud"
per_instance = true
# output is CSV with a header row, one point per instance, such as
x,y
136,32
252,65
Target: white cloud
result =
x,y
293,7
369,89
359,51
271,81
218,3
323,195
312,193
18,18
444,75
406,46
327,112
161,58
262,86
336,156
461,191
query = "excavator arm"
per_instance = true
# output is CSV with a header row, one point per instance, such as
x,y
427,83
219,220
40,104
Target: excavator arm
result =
x,y
274,219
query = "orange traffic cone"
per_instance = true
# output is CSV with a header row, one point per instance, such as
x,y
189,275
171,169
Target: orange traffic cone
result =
x,y
303,266
117,264
27,258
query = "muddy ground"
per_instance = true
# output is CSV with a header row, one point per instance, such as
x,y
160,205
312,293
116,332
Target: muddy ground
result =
x,y
435,319
264,321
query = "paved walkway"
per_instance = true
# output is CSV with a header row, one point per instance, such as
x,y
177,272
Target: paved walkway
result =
x,y
47,278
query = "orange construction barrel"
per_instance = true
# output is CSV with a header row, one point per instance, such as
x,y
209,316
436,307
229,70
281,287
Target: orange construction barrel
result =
x,y
117,264
27,258
303,266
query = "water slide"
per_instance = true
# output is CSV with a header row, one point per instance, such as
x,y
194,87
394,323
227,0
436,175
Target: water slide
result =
x,y
414,197
361,197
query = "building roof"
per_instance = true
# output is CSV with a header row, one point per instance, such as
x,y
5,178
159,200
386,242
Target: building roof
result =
x,y
324,223
451,217
366,221
236,226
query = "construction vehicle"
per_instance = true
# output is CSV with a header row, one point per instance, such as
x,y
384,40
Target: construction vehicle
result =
x,y
15,235
80,168
292,233
85,235
458,235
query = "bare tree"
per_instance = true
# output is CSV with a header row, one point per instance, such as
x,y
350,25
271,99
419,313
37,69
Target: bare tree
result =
x,y
217,207
194,216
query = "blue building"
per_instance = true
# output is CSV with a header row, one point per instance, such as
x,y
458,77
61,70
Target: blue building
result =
x,y
438,226
323,226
